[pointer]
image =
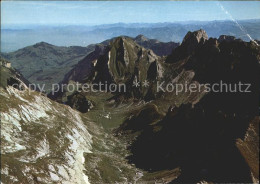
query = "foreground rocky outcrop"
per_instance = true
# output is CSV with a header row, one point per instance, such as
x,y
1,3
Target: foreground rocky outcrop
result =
x,y
41,141
11,77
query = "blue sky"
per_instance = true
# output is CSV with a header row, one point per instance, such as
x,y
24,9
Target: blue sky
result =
x,y
106,12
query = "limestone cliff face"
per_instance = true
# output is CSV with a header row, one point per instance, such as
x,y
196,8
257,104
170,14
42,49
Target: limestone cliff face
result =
x,y
125,62
41,141
84,69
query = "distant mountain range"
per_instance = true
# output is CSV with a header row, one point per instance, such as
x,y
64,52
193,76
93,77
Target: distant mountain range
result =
x,y
13,38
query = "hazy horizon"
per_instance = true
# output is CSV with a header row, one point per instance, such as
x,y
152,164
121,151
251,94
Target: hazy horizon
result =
x,y
23,26
67,23
112,12
16,37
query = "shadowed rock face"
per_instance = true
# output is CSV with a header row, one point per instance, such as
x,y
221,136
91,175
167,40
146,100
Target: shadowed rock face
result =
x,y
196,37
201,142
201,138
232,63
226,38
79,102
191,42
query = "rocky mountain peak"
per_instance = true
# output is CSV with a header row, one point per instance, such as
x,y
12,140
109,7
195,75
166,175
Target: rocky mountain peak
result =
x,y
195,37
123,58
42,44
189,44
141,38
226,38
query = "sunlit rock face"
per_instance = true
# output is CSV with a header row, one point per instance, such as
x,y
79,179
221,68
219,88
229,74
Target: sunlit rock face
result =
x,y
249,148
41,141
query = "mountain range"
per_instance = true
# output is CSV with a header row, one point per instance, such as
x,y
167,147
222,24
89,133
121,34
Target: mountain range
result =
x,y
47,64
140,135
194,131
16,37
